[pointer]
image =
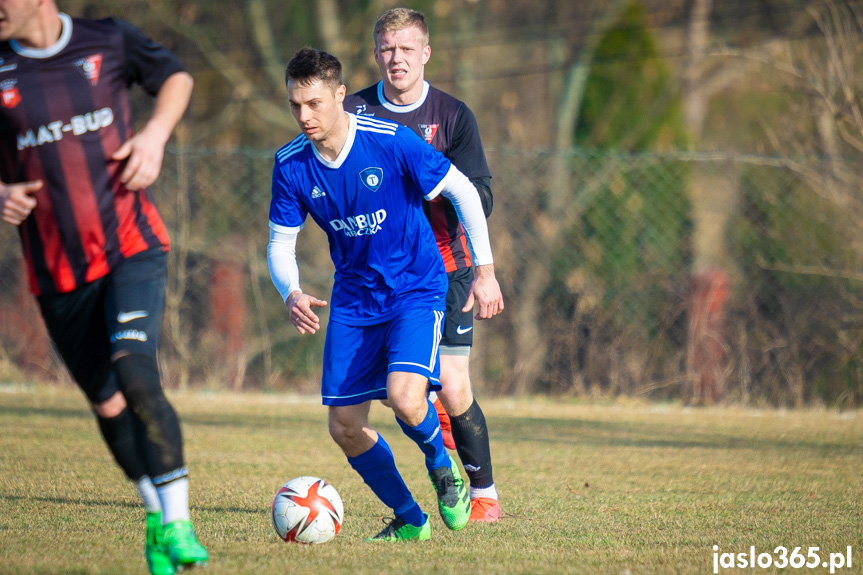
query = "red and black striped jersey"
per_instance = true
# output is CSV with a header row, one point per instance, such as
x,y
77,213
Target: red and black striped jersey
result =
x,y
449,125
64,110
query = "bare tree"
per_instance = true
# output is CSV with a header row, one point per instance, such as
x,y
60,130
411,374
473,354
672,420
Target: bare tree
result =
x,y
564,202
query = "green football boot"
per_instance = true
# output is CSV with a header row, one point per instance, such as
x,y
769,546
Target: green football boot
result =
x,y
398,530
453,500
154,550
182,546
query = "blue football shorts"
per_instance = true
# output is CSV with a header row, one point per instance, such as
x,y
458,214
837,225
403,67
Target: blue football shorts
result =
x,y
357,359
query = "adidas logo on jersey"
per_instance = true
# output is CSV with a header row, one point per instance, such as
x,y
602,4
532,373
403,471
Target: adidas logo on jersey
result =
x,y
317,193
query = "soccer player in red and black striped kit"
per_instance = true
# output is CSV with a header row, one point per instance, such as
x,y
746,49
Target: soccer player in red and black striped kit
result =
x,y
401,51
74,181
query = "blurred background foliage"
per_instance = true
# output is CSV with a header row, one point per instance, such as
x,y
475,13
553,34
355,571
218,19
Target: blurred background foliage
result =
x,y
677,204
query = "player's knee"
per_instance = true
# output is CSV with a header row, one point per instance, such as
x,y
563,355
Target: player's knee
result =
x,y
456,395
112,407
455,374
138,378
411,411
343,433
407,393
348,434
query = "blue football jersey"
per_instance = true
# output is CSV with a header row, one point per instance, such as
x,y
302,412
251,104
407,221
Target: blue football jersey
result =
x,y
369,203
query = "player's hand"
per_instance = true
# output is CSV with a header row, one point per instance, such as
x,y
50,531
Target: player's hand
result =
x,y
143,153
300,307
17,200
484,291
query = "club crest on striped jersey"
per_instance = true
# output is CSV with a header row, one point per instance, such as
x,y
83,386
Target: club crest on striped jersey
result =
x,y
372,178
428,131
90,67
9,94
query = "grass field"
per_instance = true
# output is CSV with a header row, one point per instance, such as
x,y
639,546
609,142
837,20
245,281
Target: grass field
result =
x,y
586,488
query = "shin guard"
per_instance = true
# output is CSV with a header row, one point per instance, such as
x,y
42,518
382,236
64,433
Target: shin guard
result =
x,y
157,429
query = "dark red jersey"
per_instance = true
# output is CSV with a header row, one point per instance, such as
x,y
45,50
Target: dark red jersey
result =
x,y
447,124
64,111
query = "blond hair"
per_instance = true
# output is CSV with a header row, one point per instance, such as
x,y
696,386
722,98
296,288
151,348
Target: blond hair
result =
x,y
399,19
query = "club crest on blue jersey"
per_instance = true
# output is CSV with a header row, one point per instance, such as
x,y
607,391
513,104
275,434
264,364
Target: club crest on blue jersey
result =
x,y
372,178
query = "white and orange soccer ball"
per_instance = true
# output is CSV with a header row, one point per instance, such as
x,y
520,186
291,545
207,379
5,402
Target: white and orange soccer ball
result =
x,y
307,510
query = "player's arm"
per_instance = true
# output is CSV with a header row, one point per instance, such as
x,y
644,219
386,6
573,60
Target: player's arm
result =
x,y
160,73
285,273
17,201
483,187
144,151
485,290
469,157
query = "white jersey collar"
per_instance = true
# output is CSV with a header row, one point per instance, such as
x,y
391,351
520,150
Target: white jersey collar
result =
x,y
402,109
346,149
52,50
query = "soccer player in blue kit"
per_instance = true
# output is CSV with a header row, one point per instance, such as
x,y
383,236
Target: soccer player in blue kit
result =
x,y
402,49
363,181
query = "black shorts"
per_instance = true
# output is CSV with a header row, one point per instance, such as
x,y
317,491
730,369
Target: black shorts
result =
x,y
458,325
121,311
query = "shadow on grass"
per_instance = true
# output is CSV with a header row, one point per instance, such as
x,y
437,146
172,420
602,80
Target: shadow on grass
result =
x,y
645,435
120,503
74,501
52,412
245,420
559,431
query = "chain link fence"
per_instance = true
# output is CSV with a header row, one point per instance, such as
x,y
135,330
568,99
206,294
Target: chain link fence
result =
x,y
696,277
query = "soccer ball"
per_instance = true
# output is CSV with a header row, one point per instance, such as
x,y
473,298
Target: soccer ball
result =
x,y
307,510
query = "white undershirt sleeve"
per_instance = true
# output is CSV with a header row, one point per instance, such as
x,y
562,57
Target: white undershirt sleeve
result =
x,y
282,260
458,189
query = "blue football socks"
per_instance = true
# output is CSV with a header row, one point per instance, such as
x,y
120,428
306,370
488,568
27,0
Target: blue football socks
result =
x,y
377,467
427,436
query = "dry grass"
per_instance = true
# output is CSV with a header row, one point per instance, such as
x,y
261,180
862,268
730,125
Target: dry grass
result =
x,y
586,488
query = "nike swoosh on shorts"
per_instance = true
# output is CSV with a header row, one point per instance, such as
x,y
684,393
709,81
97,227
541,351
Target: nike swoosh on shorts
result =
x,y
127,316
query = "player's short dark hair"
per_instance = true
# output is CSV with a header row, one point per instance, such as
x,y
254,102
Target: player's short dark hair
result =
x,y
310,65
399,19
